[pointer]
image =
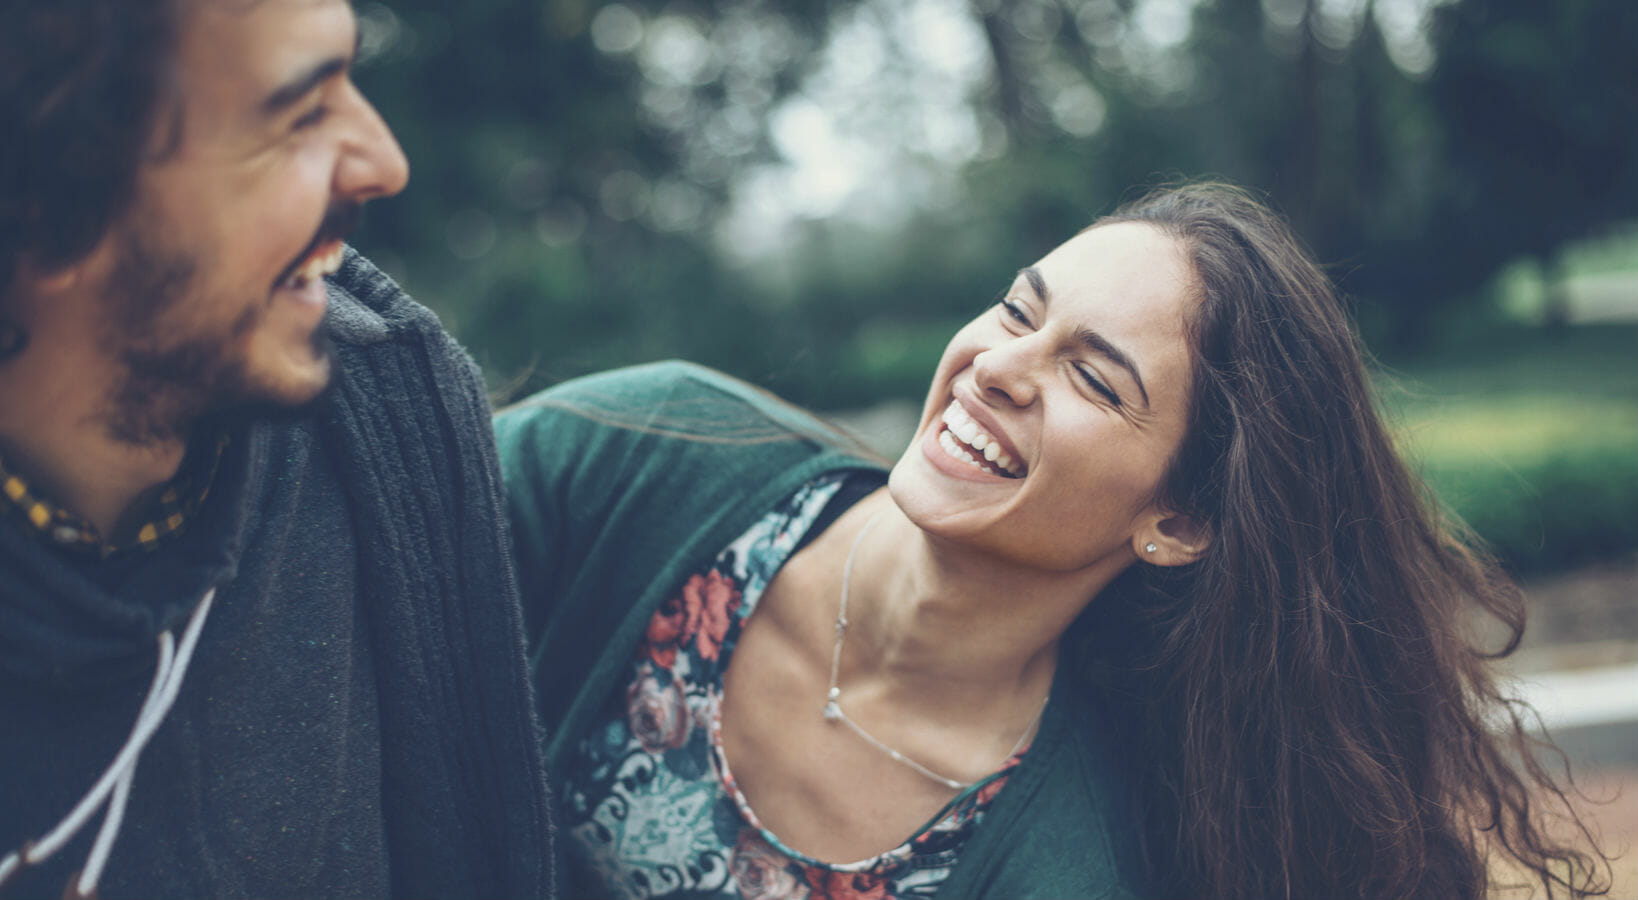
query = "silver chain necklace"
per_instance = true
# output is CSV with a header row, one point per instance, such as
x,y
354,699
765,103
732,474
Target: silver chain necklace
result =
x,y
833,707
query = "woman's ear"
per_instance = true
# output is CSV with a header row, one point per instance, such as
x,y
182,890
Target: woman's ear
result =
x,y
1171,540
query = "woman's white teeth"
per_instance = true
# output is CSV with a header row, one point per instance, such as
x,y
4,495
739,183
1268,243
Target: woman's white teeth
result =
x,y
955,451
980,446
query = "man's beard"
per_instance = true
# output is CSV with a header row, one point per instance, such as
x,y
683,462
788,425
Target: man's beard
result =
x,y
169,382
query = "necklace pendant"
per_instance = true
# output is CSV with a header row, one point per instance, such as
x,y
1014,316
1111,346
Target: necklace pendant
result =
x,y
832,712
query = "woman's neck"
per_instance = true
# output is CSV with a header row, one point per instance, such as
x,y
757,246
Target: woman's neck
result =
x,y
936,622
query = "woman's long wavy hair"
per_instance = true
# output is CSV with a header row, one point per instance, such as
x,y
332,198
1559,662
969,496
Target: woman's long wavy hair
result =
x,y
1320,722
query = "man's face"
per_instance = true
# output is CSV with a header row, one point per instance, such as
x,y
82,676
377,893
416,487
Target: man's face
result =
x,y
215,294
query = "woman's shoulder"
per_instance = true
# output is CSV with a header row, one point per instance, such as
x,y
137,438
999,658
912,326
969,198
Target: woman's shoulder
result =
x,y
676,433
647,381
671,399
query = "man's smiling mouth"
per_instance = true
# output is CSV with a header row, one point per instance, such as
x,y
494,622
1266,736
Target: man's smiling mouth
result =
x,y
324,261
964,440
323,254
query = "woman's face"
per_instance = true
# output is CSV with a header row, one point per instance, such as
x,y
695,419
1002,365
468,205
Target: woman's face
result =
x,y
1053,415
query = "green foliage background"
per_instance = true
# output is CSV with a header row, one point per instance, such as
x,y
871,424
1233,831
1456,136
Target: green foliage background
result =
x,y
1532,440
565,206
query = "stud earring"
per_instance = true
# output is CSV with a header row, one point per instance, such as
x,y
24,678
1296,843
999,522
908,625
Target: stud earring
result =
x,y
1150,547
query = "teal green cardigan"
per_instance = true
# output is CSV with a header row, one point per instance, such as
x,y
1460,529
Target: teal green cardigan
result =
x,y
622,484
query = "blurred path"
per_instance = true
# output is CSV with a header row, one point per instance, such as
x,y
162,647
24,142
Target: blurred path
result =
x,y
1612,811
1579,667
1603,297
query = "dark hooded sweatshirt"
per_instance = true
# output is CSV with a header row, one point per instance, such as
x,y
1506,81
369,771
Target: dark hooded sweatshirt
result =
x,y
356,719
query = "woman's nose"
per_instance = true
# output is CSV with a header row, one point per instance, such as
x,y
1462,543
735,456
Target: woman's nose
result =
x,y
1007,372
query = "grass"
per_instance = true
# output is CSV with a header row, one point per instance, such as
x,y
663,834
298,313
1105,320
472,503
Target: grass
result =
x,y
1532,438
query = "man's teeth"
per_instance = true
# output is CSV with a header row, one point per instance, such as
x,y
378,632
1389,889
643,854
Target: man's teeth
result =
x,y
317,266
981,447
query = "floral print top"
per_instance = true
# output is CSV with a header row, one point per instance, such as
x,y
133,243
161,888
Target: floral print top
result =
x,y
649,807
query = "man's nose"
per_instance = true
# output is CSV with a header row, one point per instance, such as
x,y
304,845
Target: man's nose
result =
x,y
372,164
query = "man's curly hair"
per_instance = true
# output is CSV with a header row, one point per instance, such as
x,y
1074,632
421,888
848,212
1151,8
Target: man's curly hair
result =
x,y
80,86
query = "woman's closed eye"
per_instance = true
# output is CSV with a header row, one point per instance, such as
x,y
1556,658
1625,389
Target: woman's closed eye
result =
x,y
1016,312
1097,384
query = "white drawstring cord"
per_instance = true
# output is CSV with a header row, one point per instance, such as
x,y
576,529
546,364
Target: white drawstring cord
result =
x,y
92,873
117,779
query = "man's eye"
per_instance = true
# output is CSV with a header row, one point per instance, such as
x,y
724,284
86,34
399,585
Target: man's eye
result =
x,y
311,118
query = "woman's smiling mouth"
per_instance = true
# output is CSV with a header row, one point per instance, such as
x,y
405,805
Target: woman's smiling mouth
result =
x,y
965,440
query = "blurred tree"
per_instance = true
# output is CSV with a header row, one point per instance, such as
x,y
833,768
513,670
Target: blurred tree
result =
x,y
575,162
1538,102
1417,156
569,160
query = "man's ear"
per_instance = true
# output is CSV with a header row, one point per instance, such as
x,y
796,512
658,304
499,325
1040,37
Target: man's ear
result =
x,y
1171,539
33,278
58,281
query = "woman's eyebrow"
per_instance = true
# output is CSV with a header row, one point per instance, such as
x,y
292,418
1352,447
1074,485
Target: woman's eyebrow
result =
x,y
1036,282
1092,340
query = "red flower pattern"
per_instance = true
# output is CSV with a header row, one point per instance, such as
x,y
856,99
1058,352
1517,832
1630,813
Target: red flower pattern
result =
x,y
701,612
670,625
760,871
824,884
718,600
987,792
659,716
